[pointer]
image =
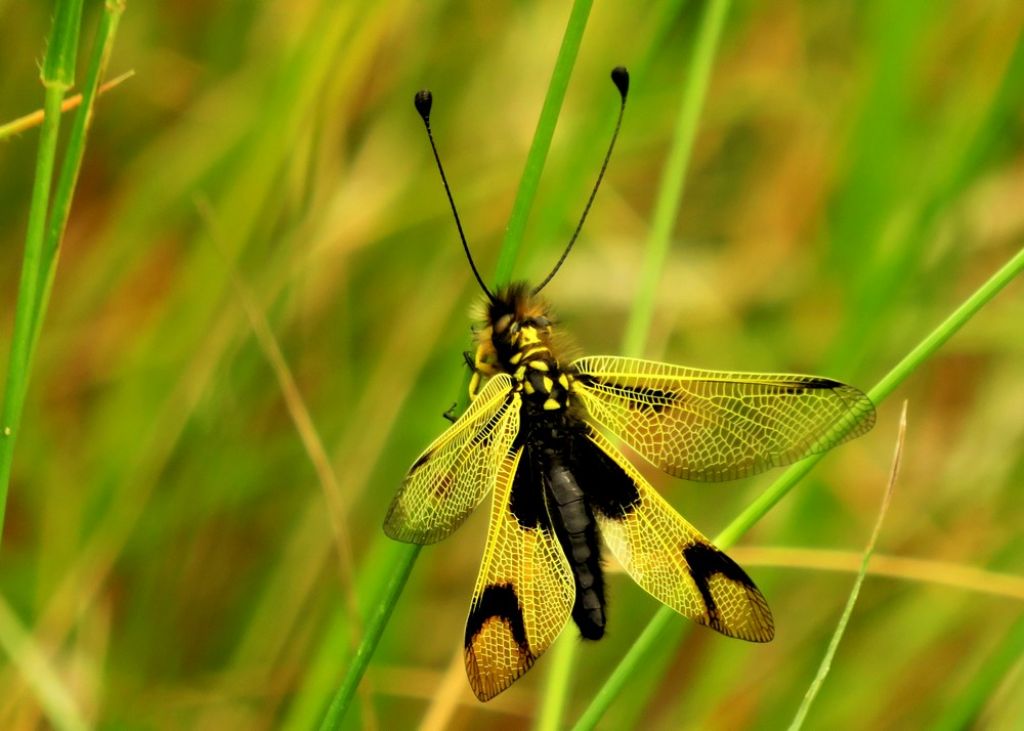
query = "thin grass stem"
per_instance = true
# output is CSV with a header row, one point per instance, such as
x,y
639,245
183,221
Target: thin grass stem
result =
x,y
28,656
545,131
34,119
881,390
445,701
906,568
775,492
57,77
302,420
556,689
371,638
72,164
844,618
299,413
670,191
506,260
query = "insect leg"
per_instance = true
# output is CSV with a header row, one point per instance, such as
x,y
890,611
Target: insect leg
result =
x,y
481,368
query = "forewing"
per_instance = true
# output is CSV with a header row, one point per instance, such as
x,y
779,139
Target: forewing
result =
x,y
524,591
713,426
452,476
663,553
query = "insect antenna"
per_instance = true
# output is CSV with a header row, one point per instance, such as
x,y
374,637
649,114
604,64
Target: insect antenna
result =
x,y
424,100
621,79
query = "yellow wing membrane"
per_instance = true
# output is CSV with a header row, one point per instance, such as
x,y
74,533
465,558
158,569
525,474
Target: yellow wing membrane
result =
x,y
523,595
455,472
672,561
713,426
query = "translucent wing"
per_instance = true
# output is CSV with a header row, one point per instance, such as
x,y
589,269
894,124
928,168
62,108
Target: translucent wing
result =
x,y
524,591
663,553
455,472
712,426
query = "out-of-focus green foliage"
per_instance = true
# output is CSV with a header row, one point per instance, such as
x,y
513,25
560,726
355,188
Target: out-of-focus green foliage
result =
x,y
168,553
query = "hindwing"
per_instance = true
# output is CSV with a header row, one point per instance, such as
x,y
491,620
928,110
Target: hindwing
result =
x,y
718,425
452,476
664,554
524,592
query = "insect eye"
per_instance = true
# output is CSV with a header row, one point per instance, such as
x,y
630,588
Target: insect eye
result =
x,y
502,324
542,322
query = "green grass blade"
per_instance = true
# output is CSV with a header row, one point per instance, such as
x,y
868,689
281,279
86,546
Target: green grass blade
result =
x,y
72,164
57,73
34,665
538,154
62,50
638,651
557,685
371,638
674,176
967,708
937,338
844,619
670,193
775,492
524,200
158,491
899,373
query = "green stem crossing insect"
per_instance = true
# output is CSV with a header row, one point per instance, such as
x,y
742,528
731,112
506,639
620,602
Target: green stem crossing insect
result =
x,y
535,435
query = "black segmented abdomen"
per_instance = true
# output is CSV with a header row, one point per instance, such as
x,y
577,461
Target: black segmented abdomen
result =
x,y
546,493
577,533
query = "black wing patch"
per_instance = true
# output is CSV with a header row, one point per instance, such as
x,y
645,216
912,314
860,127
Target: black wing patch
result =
x,y
668,557
524,592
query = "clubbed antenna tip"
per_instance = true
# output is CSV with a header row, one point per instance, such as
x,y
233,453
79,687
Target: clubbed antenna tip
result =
x,y
621,78
423,101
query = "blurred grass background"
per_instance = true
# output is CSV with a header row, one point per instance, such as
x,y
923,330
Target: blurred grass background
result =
x,y
168,550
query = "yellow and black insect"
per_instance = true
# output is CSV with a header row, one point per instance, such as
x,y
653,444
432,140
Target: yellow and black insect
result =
x,y
535,435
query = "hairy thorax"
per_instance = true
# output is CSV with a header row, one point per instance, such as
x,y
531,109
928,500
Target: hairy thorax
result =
x,y
518,339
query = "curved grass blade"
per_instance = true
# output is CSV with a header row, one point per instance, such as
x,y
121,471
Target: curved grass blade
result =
x,y
906,568
833,645
517,222
648,639
670,193
57,76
